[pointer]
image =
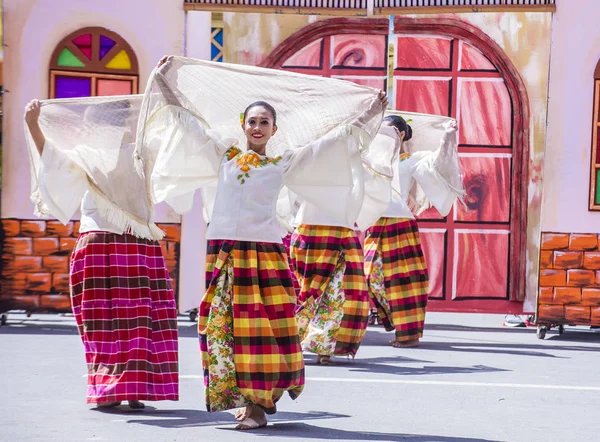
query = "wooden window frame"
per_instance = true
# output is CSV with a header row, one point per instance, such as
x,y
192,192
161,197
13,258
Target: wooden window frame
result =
x,y
594,164
94,78
95,68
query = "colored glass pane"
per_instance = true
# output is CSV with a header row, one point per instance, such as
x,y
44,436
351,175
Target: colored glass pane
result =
x,y
68,59
72,87
84,44
120,61
106,44
113,87
216,44
597,145
597,198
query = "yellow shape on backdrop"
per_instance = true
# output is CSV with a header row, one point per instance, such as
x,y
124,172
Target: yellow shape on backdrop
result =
x,y
120,61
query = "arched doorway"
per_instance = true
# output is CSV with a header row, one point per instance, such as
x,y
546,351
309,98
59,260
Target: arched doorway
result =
x,y
476,254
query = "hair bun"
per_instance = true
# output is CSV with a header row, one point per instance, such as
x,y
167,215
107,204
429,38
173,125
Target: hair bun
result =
x,y
408,134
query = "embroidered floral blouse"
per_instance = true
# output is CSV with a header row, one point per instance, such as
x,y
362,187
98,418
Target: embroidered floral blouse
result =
x,y
327,173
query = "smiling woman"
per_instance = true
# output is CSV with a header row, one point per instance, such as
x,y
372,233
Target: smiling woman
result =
x,y
249,339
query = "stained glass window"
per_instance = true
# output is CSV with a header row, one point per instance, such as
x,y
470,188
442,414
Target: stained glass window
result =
x,y
594,203
93,61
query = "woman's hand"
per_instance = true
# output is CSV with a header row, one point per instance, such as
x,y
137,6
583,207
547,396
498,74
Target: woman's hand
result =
x,y
164,60
32,112
451,126
382,96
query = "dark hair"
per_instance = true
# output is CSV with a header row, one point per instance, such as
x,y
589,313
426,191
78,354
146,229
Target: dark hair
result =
x,y
264,104
400,124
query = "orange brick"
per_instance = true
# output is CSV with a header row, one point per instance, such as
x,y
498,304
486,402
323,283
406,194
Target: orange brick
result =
x,y
555,241
568,260
551,313
590,296
45,246
18,246
567,295
56,228
60,282
25,302
595,316
39,282
583,241
33,229
27,264
591,260
173,248
546,259
580,278
11,227
546,295
60,302
165,250
171,267
577,314
18,282
56,264
76,225
172,231
553,277
67,244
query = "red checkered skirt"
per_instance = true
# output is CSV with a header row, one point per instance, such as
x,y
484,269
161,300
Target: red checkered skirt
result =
x,y
127,318
393,245
315,252
247,327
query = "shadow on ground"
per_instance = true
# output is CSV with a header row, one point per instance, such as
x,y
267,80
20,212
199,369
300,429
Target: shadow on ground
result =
x,y
196,418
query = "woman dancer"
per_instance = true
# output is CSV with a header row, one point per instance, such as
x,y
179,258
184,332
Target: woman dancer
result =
x,y
120,289
249,340
327,259
394,261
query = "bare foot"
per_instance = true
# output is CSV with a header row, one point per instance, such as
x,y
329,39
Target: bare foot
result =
x,y
243,413
108,404
257,419
325,360
412,343
136,405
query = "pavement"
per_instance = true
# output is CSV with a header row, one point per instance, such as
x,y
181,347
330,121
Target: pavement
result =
x,y
471,380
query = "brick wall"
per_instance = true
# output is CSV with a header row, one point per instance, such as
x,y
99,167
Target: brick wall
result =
x,y
570,279
35,262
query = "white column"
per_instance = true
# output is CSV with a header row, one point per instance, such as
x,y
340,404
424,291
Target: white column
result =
x,y
192,252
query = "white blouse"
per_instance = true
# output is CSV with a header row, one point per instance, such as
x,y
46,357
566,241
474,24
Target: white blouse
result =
x,y
418,167
92,221
64,187
326,173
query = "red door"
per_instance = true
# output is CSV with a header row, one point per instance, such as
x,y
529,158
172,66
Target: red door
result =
x,y
468,251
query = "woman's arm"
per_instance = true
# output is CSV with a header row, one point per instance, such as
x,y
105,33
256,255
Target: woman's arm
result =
x,y
32,115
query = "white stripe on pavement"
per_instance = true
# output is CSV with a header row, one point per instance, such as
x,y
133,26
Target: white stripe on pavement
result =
x,y
439,383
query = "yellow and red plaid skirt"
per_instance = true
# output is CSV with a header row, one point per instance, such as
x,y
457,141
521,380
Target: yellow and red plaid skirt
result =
x,y
248,332
315,252
397,275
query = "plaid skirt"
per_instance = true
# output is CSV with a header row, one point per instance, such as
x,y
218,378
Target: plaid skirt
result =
x,y
316,253
248,333
127,318
397,275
